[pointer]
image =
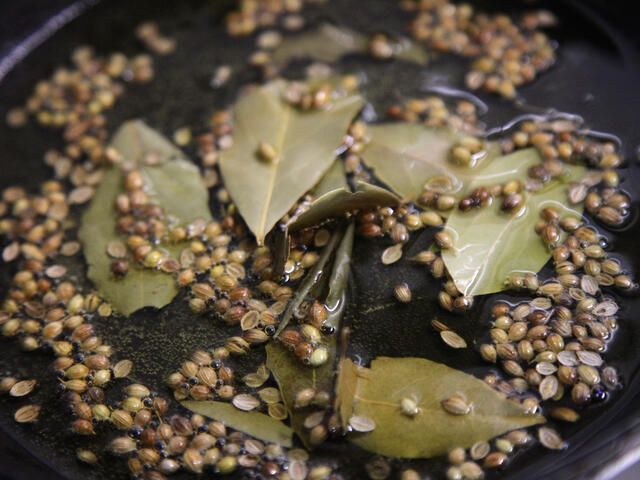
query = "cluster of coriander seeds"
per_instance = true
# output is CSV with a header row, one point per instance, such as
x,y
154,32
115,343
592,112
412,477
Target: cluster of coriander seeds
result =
x,y
563,138
306,97
208,146
434,111
74,98
45,310
468,463
256,14
203,377
553,344
506,54
305,339
197,446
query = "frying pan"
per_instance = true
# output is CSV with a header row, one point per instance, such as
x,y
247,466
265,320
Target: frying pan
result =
x,y
596,77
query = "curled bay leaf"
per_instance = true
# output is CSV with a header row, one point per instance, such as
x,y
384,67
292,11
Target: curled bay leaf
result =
x,y
490,244
256,424
291,375
343,200
173,183
377,393
304,142
328,43
336,298
311,280
406,155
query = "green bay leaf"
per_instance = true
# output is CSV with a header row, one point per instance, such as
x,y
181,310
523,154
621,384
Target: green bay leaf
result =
x,y
254,423
405,155
173,183
292,376
377,392
289,373
329,43
490,244
304,140
136,142
334,179
326,43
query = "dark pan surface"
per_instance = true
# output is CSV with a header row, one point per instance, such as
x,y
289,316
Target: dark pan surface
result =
x,y
596,77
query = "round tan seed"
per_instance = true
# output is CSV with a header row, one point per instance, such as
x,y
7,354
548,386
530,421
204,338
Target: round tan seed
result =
x,y
565,414
11,252
116,249
402,292
253,380
55,271
548,387
122,368
245,402
452,339
27,414
22,388
360,423
392,254
567,358
456,406
479,450
550,439
277,411
270,395
592,359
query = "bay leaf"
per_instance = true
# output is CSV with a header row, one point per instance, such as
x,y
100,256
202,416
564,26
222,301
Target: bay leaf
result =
x,y
173,183
311,280
334,179
336,298
377,392
292,376
490,244
338,202
256,424
289,373
328,43
410,51
305,142
405,155
136,142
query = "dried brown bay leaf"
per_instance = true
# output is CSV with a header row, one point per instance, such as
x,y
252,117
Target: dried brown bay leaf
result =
x,y
488,244
406,155
304,142
291,375
256,424
377,392
173,183
328,43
